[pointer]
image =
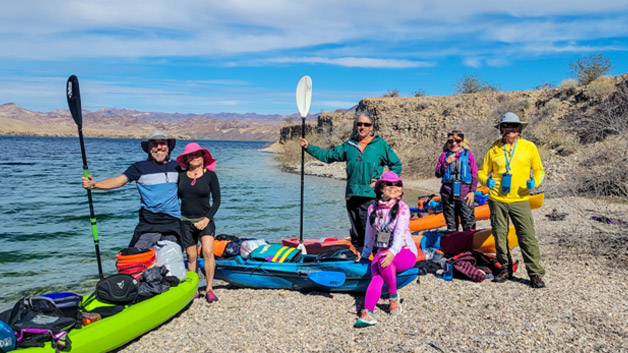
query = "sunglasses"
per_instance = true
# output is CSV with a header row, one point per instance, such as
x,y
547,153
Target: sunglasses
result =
x,y
509,125
451,141
451,134
196,154
363,124
158,142
392,183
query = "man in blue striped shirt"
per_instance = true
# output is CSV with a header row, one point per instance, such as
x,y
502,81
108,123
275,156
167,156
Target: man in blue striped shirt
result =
x,y
156,180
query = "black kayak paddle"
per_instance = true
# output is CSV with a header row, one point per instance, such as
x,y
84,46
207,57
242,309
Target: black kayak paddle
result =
x,y
74,102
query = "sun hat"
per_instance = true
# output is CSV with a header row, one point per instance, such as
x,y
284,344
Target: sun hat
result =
x,y
388,176
158,135
210,162
511,118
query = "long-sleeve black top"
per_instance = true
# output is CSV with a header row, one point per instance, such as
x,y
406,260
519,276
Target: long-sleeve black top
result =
x,y
195,199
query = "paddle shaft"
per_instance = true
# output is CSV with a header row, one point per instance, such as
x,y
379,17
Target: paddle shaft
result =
x,y
302,179
92,217
74,102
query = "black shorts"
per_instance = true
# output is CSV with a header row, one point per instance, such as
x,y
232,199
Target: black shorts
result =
x,y
191,235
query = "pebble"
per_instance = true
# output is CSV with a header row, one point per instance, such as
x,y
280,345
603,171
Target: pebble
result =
x,y
584,307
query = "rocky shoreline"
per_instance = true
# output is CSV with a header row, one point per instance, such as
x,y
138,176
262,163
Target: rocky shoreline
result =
x,y
583,308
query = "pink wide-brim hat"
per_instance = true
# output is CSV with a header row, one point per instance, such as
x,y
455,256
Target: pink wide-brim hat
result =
x,y
210,162
388,176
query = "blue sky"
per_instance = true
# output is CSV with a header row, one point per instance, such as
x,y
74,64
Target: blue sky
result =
x,y
195,56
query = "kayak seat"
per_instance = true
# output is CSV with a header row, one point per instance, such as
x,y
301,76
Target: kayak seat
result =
x,y
336,254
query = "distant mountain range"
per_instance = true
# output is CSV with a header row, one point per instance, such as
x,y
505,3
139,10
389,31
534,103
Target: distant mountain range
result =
x,y
124,123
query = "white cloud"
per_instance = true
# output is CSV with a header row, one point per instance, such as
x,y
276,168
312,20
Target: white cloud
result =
x,y
119,28
354,62
472,62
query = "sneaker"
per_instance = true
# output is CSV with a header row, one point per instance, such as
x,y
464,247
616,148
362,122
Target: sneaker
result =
x,y
536,282
394,308
366,319
502,275
211,297
196,295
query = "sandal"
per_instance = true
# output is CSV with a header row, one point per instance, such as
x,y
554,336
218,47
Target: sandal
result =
x,y
211,297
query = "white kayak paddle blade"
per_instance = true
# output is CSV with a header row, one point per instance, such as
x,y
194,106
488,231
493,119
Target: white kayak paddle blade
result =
x,y
304,95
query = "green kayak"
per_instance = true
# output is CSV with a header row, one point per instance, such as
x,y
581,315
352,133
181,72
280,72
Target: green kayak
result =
x,y
132,322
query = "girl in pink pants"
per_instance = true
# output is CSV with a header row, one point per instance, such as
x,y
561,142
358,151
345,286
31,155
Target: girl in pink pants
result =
x,y
388,229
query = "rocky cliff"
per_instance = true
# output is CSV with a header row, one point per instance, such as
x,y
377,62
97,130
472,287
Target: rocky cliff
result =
x,y
573,127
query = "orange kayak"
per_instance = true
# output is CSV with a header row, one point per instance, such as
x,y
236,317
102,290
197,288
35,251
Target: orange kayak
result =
x,y
483,241
434,221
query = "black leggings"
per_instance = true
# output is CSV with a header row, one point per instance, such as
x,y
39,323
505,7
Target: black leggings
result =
x,y
357,207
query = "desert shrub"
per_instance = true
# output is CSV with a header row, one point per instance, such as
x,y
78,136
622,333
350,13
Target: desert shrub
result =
x,y
568,88
565,143
544,86
525,103
609,118
449,108
479,136
541,132
473,84
600,88
588,69
552,105
418,154
419,93
604,169
290,153
391,93
510,104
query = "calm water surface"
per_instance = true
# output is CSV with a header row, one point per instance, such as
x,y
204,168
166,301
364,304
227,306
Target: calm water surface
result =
x,y
45,236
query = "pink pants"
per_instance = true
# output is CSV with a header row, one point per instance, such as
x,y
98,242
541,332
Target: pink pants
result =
x,y
404,260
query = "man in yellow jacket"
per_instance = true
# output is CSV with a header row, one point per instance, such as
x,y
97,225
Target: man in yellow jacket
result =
x,y
511,168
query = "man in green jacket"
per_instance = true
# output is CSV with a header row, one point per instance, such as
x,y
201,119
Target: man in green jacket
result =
x,y
366,155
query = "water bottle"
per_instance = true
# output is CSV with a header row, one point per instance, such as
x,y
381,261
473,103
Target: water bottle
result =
x,y
429,253
448,274
437,256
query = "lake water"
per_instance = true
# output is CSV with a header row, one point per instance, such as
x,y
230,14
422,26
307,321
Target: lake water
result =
x,y
45,236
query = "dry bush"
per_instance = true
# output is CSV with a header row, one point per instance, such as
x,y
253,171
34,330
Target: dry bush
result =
x,y
550,135
589,69
391,93
480,137
568,88
418,154
600,88
609,118
565,143
552,105
290,154
604,169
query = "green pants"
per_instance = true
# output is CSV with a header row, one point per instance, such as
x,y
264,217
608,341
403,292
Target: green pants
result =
x,y
521,216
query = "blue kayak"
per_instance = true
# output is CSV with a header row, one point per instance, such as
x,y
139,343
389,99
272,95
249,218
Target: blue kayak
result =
x,y
306,274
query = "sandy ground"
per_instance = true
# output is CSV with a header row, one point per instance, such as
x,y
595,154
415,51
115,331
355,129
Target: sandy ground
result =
x,y
584,307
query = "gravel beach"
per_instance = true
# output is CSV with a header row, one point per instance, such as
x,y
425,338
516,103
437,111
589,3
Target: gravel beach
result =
x,y
584,307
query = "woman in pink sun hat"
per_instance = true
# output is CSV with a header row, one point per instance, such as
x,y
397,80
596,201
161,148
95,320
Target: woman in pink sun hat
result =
x,y
387,228
199,192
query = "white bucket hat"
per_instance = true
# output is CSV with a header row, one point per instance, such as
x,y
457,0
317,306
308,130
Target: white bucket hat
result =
x,y
511,118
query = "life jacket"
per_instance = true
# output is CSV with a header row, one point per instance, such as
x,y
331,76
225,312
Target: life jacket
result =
x,y
276,253
463,167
